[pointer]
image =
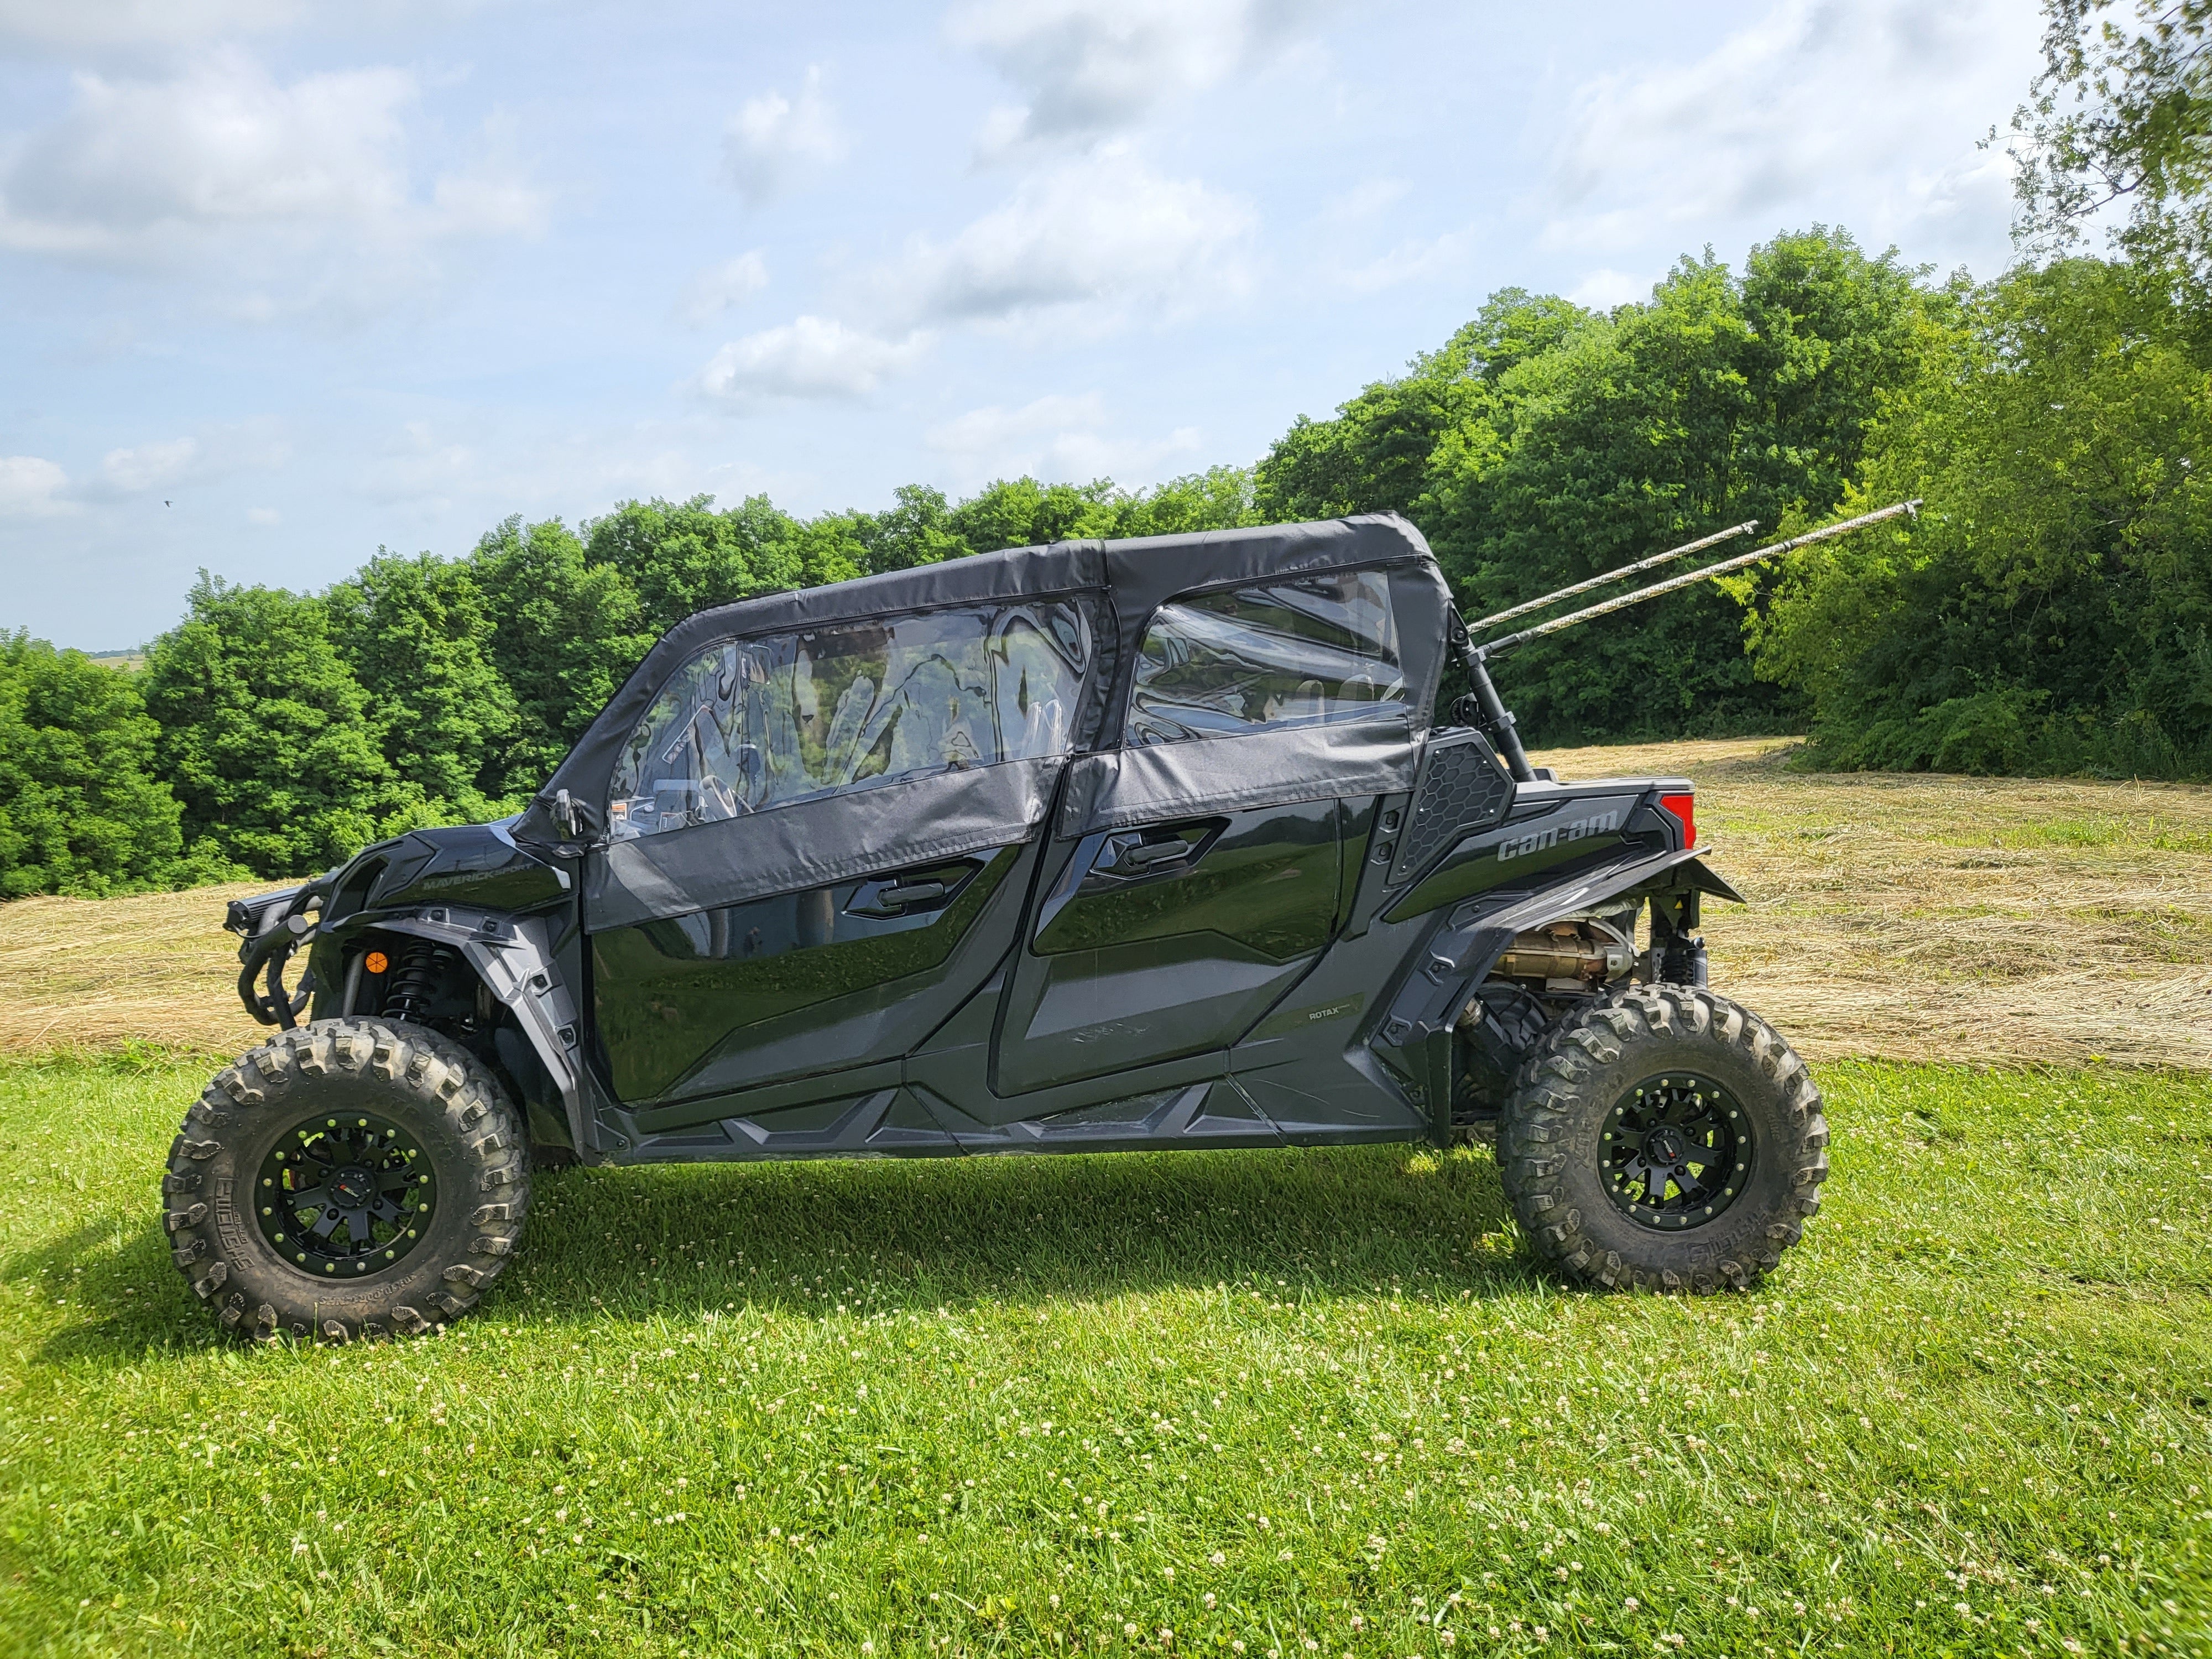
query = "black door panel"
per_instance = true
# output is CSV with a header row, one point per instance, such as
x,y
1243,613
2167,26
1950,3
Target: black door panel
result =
x,y
809,981
1179,954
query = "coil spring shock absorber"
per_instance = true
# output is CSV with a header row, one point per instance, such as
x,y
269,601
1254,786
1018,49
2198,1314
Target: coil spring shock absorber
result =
x,y
415,979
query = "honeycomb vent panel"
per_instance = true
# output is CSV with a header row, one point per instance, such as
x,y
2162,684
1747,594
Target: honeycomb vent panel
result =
x,y
1462,788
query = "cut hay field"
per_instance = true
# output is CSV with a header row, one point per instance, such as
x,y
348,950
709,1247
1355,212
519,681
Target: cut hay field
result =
x,y
1952,918
1244,1404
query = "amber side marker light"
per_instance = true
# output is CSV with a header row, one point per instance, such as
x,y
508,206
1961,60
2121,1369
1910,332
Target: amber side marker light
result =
x,y
376,962
1685,810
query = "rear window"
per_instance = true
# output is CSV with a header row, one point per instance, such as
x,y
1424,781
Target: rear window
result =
x,y
1313,652
750,725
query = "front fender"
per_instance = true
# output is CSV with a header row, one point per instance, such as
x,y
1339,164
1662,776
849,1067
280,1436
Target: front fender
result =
x,y
513,956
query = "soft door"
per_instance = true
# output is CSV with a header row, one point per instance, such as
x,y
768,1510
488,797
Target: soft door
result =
x,y
1197,874
820,843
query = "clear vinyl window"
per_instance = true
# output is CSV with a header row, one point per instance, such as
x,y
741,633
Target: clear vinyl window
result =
x,y
749,725
1312,652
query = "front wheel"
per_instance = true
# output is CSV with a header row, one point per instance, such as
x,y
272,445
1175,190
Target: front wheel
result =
x,y
352,1178
1664,1140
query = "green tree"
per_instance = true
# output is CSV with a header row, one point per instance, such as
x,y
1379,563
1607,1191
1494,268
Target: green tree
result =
x,y
1621,441
681,558
2121,115
916,531
1219,498
1023,513
1832,333
80,810
1378,453
418,638
566,632
1543,443
266,737
2051,609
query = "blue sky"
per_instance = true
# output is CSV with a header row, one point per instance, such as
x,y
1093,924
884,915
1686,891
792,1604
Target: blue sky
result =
x,y
276,291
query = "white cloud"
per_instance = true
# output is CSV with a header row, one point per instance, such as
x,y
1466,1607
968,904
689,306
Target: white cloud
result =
x,y
264,518
134,29
1365,200
421,469
1055,437
1092,67
31,487
1414,260
809,357
223,155
151,464
1084,239
168,464
775,142
1828,109
1101,232
1603,289
715,291
137,24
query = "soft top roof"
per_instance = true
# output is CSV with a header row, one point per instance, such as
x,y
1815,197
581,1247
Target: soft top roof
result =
x,y
1135,575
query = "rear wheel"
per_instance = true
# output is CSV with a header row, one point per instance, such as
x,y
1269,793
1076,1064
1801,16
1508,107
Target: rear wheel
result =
x,y
1665,1139
352,1178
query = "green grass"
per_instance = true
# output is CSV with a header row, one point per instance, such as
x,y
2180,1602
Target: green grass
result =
x,y
1304,1401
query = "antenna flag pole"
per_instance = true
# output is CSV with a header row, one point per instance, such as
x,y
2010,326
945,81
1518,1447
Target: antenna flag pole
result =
x,y
1622,601
1641,565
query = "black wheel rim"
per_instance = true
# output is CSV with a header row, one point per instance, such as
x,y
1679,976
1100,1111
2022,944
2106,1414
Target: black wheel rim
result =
x,y
345,1195
1676,1151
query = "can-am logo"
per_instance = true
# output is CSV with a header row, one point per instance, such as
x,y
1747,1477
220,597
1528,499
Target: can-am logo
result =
x,y
1536,840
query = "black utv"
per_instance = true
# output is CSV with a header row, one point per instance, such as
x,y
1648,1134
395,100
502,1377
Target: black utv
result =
x,y
1085,847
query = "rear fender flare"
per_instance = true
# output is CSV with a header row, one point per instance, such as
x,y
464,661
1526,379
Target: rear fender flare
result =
x,y
1418,1021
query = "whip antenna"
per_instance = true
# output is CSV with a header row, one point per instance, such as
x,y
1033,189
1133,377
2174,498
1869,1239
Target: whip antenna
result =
x,y
1622,601
1492,708
1655,560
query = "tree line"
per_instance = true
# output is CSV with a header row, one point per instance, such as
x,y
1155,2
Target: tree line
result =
x,y
2049,610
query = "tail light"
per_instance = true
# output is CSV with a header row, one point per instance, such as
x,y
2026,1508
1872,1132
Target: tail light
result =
x,y
1685,810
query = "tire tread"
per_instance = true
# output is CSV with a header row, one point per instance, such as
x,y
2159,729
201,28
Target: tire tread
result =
x,y
1556,1078
443,1081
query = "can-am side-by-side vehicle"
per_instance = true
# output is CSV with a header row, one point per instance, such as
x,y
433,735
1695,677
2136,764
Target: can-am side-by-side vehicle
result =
x,y
1098,846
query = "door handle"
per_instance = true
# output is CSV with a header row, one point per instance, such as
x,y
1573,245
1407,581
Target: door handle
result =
x,y
1142,858
1129,857
919,892
931,888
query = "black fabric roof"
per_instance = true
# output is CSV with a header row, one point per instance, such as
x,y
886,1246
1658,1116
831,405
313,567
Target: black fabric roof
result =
x,y
1134,577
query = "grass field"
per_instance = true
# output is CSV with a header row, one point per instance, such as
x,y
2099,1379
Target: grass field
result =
x,y
1268,1398
1257,1403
